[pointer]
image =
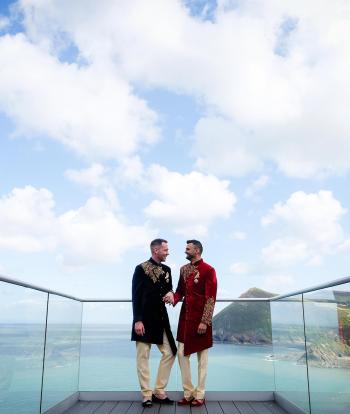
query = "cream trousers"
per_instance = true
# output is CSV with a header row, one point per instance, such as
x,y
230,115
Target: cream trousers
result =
x,y
184,361
143,350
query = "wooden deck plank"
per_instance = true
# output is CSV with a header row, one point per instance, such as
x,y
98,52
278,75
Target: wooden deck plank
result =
x,y
136,408
183,409
213,407
77,408
199,410
167,409
92,407
152,410
274,408
228,407
210,407
122,407
259,407
106,407
244,407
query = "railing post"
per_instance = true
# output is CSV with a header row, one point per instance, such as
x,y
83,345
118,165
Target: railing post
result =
x,y
43,366
81,331
306,354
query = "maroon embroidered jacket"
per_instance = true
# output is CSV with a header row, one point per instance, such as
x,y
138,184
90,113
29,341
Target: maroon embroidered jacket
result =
x,y
197,285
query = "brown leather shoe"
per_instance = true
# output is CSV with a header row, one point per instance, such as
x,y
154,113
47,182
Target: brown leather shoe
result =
x,y
197,403
184,401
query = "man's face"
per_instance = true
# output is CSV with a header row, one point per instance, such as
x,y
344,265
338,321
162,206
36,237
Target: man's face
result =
x,y
162,252
191,251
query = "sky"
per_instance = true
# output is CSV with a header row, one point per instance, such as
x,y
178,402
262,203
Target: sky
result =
x,y
124,120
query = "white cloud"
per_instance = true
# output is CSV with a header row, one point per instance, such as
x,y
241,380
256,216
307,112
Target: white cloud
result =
x,y
4,22
93,233
89,234
97,178
256,186
185,203
285,252
27,221
257,69
309,228
312,216
90,109
130,171
345,246
223,148
188,203
238,235
93,176
240,268
279,284
224,293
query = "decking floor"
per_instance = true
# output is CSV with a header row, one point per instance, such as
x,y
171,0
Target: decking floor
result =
x,y
210,407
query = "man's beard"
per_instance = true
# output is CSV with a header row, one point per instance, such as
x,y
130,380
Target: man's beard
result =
x,y
189,257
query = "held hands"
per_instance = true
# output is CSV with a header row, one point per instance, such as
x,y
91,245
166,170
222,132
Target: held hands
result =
x,y
139,328
169,298
202,328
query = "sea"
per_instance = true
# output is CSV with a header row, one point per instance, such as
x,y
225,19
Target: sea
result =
x,y
103,359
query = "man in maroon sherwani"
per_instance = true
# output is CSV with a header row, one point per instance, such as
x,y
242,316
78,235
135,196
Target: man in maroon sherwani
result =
x,y
197,285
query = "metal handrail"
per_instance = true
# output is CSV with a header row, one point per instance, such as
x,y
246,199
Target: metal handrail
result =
x,y
274,298
30,286
314,288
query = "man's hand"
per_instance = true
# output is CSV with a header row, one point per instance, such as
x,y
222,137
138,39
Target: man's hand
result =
x,y
202,328
139,328
169,298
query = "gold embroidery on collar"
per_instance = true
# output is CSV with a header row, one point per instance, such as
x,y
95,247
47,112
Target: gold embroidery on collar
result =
x,y
188,269
208,311
153,271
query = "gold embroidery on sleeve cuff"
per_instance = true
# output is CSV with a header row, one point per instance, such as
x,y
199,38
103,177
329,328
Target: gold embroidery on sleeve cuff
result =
x,y
208,311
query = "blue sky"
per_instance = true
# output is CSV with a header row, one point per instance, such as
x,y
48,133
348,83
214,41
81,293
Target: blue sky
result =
x,y
224,121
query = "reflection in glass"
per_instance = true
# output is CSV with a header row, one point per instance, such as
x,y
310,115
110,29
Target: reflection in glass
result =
x,y
327,319
108,357
61,372
22,333
289,350
240,358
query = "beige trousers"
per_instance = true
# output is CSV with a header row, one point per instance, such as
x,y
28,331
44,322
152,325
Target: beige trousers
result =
x,y
184,361
142,351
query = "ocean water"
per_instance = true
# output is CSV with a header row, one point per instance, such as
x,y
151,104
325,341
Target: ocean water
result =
x,y
107,363
230,368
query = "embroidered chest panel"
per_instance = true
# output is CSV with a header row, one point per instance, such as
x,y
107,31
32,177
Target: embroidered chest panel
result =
x,y
154,272
188,269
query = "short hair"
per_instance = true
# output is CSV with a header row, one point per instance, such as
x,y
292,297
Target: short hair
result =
x,y
157,242
196,243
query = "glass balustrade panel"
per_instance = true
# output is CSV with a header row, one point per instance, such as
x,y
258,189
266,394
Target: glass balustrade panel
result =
x,y
61,370
22,333
108,356
239,360
327,321
289,355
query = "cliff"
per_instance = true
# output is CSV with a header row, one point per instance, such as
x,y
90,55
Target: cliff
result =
x,y
245,322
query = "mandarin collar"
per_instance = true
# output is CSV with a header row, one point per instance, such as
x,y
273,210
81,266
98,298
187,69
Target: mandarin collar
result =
x,y
154,262
198,262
